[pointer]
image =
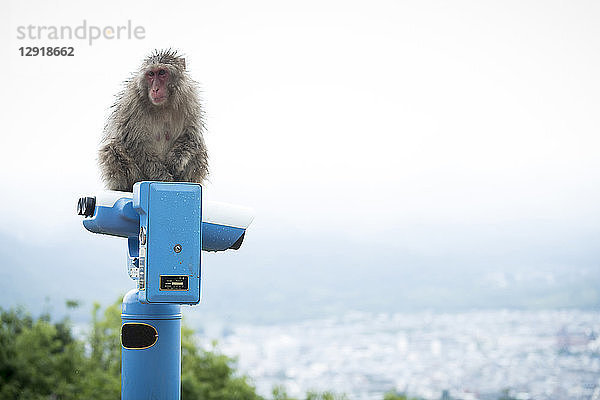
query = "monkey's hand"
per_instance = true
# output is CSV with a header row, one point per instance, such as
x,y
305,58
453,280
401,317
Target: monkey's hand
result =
x,y
155,169
188,158
119,172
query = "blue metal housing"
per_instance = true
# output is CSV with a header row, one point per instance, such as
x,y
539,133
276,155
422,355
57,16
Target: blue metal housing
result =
x,y
170,241
152,372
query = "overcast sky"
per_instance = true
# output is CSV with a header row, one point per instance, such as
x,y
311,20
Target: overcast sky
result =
x,y
361,117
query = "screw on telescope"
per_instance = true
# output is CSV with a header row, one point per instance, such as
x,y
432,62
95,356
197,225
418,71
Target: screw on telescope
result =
x,y
177,248
86,206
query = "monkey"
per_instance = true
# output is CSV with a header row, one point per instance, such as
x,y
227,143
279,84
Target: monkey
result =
x,y
155,130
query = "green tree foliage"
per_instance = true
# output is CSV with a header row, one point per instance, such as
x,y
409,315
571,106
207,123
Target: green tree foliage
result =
x,y
279,393
102,378
208,375
396,396
506,395
41,360
38,359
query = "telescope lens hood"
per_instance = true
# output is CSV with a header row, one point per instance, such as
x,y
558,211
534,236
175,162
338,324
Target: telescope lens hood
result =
x,y
86,206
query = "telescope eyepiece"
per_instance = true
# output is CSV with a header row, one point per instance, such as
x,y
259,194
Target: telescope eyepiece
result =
x,y
86,206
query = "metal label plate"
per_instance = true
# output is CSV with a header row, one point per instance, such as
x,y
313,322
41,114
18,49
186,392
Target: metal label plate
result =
x,y
174,282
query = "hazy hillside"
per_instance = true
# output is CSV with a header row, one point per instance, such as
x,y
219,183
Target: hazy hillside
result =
x,y
296,276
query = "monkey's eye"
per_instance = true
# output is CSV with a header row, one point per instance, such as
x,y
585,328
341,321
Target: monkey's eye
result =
x,y
151,73
162,72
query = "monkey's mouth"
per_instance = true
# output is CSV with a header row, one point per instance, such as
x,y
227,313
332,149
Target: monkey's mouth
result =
x,y
158,99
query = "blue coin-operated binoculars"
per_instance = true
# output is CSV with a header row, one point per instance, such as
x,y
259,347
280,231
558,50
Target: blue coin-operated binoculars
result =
x,y
166,225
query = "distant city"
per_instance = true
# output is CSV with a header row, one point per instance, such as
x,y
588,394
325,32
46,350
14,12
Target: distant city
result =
x,y
470,355
357,323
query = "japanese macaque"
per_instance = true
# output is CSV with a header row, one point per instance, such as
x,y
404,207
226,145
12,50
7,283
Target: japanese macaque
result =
x,y
154,131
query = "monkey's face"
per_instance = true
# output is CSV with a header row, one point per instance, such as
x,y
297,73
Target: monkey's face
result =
x,y
157,80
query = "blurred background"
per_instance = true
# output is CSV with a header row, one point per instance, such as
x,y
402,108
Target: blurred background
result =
x,y
424,175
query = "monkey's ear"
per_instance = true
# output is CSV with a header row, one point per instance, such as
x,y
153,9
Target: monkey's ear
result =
x,y
182,63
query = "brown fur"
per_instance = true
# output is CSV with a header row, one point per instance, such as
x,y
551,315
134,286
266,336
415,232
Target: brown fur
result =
x,y
143,141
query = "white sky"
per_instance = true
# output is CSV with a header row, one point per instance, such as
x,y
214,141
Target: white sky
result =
x,y
324,115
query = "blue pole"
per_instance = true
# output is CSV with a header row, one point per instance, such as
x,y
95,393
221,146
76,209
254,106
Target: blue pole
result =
x,y
150,350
